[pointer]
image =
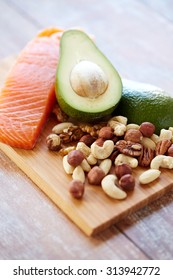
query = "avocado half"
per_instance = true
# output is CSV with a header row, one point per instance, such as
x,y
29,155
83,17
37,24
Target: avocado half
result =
x,y
87,87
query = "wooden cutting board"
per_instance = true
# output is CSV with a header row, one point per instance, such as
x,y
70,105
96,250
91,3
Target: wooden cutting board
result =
x,y
95,211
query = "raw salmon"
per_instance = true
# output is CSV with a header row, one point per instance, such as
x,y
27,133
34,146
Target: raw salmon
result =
x,y
28,95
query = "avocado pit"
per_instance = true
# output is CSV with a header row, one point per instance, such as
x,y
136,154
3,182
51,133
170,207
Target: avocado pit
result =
x,y
87,79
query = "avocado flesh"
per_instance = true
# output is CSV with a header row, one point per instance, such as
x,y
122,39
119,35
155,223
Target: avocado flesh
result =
x,y
141,102
76,46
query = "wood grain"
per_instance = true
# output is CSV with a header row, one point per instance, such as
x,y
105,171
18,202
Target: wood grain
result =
x,y
138,38
32,227
46,171
150,228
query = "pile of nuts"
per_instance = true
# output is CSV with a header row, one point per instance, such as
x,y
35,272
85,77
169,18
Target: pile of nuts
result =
x,y
105,154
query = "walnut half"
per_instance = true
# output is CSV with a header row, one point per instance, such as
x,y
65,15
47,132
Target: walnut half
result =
x,y
129,148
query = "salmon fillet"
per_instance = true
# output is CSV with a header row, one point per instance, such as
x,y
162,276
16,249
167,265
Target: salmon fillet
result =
x,y
28,95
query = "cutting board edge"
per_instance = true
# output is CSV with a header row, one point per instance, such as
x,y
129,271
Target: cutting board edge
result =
x,y
43,186
128,212
84,227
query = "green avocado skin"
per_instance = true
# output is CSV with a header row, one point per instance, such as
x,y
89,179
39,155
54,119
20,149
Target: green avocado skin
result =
x,y
84,116
141,105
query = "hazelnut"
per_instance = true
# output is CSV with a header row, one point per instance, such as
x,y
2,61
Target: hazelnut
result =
x,y
87,139
147,129
76,189
133,135
170,151
75,158
100,142
127,182
53,142
115,139
95,175
106,132
114,154
122,169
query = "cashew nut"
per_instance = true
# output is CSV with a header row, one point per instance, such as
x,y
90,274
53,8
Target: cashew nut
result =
x,y
78,174
83,148
105,165
171,129
120,119
119,128
102,152
167,162
132,126
121,158
149,176
156,162
118,123
110,188
165,134
85,165
162,161
67,167
148,143
91,159
154,138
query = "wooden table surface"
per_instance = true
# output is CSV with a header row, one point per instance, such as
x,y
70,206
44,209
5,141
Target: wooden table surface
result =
x,y
137,36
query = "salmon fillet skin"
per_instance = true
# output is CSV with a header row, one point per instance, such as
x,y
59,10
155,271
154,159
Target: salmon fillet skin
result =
x,y
28,94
